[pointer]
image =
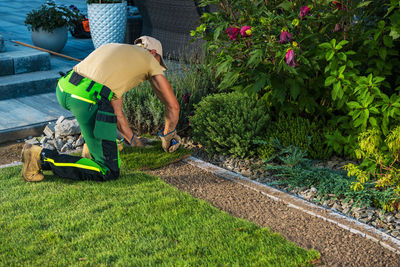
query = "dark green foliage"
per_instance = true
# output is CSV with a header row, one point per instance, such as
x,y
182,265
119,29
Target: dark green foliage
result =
x,y
189,81
227,123
50,16
300,132
328,181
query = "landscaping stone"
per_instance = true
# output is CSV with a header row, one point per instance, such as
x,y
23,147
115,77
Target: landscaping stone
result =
x,y
32,141
67,127
49,130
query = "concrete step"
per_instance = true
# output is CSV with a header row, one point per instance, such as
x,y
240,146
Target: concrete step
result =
x,y
27,116
23,61
27,84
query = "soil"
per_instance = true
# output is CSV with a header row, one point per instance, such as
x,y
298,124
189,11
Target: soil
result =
x,y
338,247
10,152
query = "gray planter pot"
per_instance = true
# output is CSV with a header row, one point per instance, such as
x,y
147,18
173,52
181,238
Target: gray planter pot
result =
x,y
107,23
54,41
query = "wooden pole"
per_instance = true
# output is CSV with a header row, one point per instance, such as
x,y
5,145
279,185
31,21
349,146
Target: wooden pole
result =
x,y
48,51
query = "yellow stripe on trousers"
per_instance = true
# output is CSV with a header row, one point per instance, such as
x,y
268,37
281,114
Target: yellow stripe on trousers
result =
x,y
81,166
77,97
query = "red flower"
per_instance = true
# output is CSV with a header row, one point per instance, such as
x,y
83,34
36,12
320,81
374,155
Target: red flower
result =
x,y
285,37
186,97
289,58
337,5
304,11
232,33
245,31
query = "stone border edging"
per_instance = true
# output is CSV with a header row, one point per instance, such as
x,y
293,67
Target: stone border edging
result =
x,y
12,164
364,230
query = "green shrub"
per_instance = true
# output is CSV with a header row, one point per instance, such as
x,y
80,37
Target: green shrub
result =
x,y
190,83
303,133
227,123
381,164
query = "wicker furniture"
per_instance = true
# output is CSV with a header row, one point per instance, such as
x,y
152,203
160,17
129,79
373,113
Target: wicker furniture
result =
x,y
171,23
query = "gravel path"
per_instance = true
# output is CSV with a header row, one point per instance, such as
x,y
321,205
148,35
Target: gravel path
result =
x,y
338,247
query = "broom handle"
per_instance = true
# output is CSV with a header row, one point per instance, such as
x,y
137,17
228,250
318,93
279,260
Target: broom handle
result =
x,y
48,51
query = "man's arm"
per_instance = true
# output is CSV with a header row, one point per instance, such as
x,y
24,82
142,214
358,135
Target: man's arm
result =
x,y
164,92
123,124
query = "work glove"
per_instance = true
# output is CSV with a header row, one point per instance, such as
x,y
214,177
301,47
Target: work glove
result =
x,y
170,141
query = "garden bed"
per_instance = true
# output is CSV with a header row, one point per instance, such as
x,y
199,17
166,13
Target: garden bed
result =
x,y
387,222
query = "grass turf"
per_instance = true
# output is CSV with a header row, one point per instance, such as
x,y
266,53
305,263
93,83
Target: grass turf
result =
x,y
135,220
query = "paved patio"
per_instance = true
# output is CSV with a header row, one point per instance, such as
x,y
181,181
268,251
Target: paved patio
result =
x,y
24,116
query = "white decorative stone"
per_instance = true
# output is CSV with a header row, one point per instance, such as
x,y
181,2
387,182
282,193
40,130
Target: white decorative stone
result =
x,y
49,129
32,141
67,127
80,141
60,119
48,146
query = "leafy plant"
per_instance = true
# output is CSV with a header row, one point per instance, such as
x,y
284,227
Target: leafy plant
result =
x,y
227,123
381,164
190,82
288,155
329,182
49,17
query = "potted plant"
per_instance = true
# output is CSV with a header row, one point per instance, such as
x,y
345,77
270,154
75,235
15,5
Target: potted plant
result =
x,y
81,24
107,21
49,25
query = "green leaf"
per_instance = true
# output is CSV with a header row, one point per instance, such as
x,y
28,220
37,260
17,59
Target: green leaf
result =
x,y
387,41
286,5
342,56
353,105
383,53
364,3
341,69
329,55
373,122
330,80
260,84
337,92
217,32
325,45
341,44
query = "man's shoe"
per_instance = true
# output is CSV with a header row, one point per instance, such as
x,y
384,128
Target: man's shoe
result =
x,y
85,152
31,163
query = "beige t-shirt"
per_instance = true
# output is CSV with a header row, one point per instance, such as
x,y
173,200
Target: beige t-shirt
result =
x,y
120,67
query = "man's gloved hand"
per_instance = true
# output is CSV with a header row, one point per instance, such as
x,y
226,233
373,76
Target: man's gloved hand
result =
x,y
170,141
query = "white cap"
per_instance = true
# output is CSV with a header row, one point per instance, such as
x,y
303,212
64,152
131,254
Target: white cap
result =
x,y
151,43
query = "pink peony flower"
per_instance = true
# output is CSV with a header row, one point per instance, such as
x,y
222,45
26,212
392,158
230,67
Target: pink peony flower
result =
x,y
337,5
186,97
232,33
304,11
245,31
289,58
337,27
285,37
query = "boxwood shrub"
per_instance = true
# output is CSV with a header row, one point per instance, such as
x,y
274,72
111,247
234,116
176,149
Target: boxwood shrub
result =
x,y
227,123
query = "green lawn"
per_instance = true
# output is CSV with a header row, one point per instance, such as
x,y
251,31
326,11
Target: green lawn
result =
x,y
135,220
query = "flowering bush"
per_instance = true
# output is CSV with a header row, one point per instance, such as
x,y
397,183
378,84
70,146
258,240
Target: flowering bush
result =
x,y
49,17
334,60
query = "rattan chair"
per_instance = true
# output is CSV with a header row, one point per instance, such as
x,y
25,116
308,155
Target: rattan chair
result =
x,y
171,22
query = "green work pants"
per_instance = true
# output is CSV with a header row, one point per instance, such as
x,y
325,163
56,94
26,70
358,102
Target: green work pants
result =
x,y
98,128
